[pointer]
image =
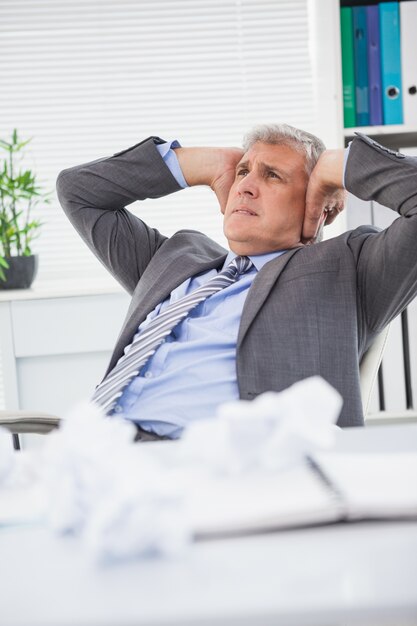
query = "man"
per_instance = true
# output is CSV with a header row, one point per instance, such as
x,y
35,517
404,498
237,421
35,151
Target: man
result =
x,y
297,309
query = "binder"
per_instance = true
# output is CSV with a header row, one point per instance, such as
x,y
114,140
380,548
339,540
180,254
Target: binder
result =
x,y
374,66
360,48
348,69
391,63
408,24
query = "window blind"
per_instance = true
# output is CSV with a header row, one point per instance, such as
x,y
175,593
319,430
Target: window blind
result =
x,y
87,78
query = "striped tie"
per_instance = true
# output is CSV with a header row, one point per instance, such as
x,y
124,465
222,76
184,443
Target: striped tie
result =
x,y
145,344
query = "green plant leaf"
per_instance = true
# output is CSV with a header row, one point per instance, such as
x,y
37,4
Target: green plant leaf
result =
x,y
22,144
3,262
20,194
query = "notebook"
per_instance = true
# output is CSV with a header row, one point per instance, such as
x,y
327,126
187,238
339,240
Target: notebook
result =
x,y
328,487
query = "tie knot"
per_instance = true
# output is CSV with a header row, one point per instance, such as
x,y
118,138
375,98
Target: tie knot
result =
x,y
242,264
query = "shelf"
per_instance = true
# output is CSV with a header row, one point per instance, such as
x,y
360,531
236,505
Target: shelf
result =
x,y
387,129
392,136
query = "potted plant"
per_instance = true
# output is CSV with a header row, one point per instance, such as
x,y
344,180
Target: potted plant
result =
x,y
19,195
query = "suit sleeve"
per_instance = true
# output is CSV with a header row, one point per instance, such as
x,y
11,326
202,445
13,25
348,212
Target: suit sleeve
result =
x,y
94,197
386,260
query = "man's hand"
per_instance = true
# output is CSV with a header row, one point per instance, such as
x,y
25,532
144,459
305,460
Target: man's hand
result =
x,y
225,174
325,194
215,167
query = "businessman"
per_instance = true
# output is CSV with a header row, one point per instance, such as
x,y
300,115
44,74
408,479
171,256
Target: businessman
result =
x,y
208,325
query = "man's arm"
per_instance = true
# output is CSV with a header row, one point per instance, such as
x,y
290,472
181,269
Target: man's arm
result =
x,y
386,261
94,197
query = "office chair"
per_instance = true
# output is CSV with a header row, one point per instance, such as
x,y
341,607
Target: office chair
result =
x,y
25,422
369,367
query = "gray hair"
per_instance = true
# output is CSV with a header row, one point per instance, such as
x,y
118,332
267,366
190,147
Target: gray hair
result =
x,y
283,134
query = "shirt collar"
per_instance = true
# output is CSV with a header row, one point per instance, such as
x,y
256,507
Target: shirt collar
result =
x,y
259,260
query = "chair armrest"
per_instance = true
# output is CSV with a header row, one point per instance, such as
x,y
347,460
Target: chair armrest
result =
x,y
22,422
369,367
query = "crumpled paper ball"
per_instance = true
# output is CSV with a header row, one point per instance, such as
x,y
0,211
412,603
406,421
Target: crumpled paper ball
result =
x,y
111,491
274,431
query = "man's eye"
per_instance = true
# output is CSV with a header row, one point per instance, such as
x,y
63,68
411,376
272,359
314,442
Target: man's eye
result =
x,y
242,172
272,174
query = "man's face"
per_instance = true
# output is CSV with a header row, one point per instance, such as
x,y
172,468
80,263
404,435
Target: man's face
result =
x,y
266,203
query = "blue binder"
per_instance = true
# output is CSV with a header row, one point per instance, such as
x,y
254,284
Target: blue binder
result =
x,y
391,63
360,47
374,66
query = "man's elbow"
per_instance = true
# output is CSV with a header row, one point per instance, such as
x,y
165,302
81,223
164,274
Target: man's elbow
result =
x,y
65,187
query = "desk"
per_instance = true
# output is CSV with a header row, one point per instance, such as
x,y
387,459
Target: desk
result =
x,y
362,573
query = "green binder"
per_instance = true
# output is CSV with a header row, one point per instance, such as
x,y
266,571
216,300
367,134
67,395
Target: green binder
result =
x,y
348,70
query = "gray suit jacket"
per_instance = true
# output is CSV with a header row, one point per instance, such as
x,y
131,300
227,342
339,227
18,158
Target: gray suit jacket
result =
x,y
313,310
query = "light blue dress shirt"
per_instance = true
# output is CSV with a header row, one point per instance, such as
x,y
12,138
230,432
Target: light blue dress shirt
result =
x,y
194,369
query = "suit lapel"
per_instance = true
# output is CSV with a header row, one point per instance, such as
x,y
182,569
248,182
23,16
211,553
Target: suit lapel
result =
x,y
260,289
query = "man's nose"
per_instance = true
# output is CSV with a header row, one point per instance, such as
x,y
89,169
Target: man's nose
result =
x,y
248,185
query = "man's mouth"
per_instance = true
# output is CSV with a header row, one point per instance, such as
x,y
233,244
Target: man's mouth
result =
x,y
245,211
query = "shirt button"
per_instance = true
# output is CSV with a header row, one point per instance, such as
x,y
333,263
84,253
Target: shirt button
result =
x,y
148,374
117,409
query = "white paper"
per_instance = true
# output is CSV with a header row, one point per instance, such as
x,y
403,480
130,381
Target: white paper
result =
x,y
374,484
261,501
128,500
274,431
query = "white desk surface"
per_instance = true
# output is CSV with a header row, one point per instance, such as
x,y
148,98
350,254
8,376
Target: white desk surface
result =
x,y
363,573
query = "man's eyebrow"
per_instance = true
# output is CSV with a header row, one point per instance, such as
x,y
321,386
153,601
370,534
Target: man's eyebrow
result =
x,y
277,170
265,167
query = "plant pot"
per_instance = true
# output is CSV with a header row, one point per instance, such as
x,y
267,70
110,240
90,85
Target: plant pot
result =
x,y
21,272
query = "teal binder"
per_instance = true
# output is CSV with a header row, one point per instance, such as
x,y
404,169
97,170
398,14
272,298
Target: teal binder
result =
x,y
348,69
360,48
391,63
